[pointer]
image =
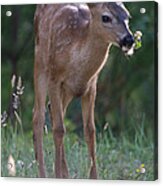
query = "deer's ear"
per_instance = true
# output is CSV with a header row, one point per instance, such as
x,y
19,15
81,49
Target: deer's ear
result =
x,y
92,5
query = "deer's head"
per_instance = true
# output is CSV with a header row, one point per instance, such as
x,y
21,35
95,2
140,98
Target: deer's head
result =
x,y
112,23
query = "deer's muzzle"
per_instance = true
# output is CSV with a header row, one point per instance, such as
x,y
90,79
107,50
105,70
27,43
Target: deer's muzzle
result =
x,y
127,42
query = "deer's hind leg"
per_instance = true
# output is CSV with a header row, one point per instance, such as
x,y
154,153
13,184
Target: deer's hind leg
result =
x,y
39,117
66,99
88,102
58,104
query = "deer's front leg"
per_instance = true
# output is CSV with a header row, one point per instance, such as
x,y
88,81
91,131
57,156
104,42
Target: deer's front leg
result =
x,y
88,102
57,115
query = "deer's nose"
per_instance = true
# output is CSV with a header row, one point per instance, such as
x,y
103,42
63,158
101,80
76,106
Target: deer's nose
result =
x,y
128,41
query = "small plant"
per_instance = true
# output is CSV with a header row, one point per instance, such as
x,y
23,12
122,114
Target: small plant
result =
x,y
137,43
141,169
13,114
4,118
138,40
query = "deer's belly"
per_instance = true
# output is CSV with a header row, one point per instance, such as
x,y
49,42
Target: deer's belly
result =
x,y
78,84
76,88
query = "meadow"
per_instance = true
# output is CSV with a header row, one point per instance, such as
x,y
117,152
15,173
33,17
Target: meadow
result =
x,y
118,158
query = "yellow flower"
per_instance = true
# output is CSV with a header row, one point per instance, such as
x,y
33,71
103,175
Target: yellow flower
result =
x,y
142,165
141,169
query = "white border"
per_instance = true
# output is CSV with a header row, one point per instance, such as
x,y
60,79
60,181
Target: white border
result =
x,y
55,182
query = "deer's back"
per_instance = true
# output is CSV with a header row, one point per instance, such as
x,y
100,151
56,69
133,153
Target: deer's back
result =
x,y
60,23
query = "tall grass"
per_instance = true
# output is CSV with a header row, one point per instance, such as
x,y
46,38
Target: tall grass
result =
x,y
119,158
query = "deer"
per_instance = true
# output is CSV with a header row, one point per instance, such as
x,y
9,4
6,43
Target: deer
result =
x,y
72,44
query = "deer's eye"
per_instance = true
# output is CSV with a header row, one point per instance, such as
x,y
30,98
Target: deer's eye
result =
x,y
106,19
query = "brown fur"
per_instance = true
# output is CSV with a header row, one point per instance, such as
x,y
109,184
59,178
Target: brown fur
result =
x,y
71,48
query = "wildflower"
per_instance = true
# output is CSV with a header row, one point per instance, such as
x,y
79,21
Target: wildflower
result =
x,y
16,101
141,169
20,164
19,88
138,42
13,80
18,92
4,118
106,126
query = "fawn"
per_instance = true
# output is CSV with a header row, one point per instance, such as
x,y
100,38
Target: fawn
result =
x,y
72,43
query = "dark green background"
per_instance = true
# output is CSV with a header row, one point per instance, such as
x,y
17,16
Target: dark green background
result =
x,y
126,86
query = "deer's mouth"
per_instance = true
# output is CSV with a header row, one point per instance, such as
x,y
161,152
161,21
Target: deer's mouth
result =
x,y
128,51
127,44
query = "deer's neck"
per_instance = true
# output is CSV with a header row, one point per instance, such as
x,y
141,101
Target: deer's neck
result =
x,y
98,51
97,41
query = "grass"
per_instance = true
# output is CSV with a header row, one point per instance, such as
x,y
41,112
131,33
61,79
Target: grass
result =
x,y
118,158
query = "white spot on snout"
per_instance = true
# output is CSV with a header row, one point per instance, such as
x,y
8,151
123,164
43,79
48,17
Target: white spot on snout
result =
x,y
128,51
124,49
